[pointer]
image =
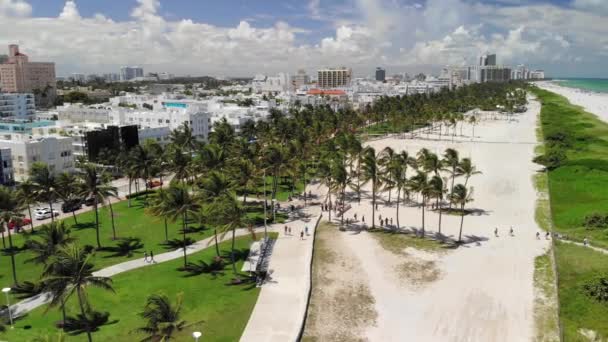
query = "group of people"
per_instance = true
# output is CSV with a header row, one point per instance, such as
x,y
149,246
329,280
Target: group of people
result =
x,y
149,258
287,231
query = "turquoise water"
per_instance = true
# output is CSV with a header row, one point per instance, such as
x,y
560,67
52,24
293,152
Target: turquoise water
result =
x,y
592,84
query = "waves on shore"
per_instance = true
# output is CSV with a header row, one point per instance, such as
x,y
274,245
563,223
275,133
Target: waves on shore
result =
x,y
599,85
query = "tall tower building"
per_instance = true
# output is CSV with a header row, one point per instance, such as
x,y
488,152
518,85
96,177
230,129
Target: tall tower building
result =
x,y
19,75
334,77
380,74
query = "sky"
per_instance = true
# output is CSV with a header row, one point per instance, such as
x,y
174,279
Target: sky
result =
x,y
566,38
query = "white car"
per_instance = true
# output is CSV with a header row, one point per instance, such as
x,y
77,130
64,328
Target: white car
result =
x,y
45,213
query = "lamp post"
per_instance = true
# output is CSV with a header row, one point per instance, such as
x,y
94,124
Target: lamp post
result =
x,y
6,290
197,335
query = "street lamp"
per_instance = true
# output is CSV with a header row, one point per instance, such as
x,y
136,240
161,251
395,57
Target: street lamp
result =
x,y
6,290
197,335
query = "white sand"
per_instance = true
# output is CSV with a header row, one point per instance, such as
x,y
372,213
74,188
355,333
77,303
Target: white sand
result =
x,y
595,103
484,291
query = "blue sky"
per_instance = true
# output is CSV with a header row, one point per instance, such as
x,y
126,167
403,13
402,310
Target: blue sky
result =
x,y
244,37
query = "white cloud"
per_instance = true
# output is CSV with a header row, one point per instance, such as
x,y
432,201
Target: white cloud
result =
x,y
18,8
591,5
398,34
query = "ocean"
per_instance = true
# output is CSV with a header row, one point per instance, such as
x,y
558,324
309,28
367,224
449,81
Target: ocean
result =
x,y
599,85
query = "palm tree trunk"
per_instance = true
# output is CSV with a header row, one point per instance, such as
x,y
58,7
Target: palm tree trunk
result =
x,y
97,224
112,218
398,200
10,243
52,213
217,245
184,239
373,205
3,242
461,221
423,205
232,254
129,201
74,215
29,211
83,312
166,231
329,196
452,186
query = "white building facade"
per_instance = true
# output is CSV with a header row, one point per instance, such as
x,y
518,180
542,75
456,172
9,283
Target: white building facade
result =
x,y
20,106
56,152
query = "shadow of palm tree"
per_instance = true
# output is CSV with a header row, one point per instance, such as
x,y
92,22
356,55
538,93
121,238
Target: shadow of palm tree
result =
x,y
125,247
83,225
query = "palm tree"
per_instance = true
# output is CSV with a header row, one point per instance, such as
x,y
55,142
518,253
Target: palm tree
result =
x,y
325,175
420,184
93,185
387,162
162,318
437,190
226,212
178,162
67,189
371,172
341,180
71,272
466,169
461,196
144,161
400,178
451,162
27,196
10,211
52,237
176,203
44,185
158,200
473,122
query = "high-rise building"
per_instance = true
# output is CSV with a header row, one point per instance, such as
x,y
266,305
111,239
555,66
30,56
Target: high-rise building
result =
x,y
334,77
3,58
299,79
6,167
380,74
19,75
487,60
128,73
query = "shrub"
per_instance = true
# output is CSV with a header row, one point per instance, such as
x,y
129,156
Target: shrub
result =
x,y
554,158
597,288
596,220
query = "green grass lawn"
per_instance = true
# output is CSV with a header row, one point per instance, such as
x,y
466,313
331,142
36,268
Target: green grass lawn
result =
x,y
387,128
578,311
579,186
130,222
224,309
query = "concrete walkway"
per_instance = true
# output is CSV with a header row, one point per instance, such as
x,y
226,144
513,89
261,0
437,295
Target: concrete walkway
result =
x,y
32,303
281,307
597,249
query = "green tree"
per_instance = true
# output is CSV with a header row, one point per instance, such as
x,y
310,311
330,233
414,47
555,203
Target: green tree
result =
x,y
68,187
420,184
26,191
460,196
10,211
94,185
45,185
437,191
162,318
371,173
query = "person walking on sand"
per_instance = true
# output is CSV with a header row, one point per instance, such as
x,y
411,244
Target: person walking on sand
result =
x,y
146,256
496,232
152,257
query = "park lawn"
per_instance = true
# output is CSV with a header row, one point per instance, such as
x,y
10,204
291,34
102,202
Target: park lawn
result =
x,y
578,311
223,309
578,187
129,222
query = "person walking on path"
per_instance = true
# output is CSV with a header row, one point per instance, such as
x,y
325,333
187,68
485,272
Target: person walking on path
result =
x,y
496,232
537,235
363,218
306,230
511,231
146,256
152,257
285,230
391,221
585,242
355,216
547,236
301,235
289,229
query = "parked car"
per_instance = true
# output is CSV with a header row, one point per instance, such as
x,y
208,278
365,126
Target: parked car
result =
x,y
89,201
154,184
23,222
70,206
44,214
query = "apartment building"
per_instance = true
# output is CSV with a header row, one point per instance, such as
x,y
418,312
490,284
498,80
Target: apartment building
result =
x,y
26,150
19,75
6,167
21,106
334,77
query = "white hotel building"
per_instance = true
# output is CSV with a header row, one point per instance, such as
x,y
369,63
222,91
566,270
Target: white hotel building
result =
x,y
20,106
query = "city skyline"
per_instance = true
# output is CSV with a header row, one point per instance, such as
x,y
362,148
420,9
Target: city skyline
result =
x,y
238,38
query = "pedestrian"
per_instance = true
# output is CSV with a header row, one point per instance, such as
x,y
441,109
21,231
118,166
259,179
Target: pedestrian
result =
x,y
380,216
152,257
537,235
289,230
285,230
391,221
306,230
146,256
301,235
585,242
547,236
363,218
309,193
496,232
511,231
355,216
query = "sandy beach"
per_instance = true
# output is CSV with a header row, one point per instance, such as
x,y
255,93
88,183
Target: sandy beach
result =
x,y
595,103
482,291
